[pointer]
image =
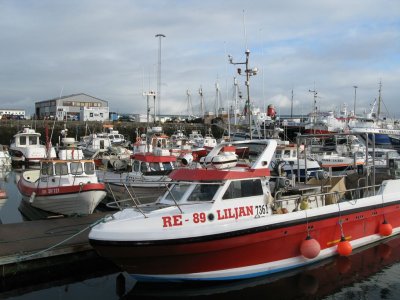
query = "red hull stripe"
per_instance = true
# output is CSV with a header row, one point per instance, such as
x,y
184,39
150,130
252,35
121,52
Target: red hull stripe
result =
x,y
208,175
60,190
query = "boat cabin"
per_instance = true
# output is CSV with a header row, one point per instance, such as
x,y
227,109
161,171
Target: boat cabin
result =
x,y
27,137
148,163
233,190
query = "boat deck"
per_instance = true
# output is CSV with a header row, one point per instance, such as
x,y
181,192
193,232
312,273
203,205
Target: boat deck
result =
x,y
26,242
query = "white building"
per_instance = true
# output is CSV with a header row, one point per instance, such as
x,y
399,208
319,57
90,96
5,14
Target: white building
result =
x,y
142,118
69,107
12,112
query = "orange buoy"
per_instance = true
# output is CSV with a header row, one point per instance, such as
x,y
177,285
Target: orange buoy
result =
x,y
344,247
310,248
385,229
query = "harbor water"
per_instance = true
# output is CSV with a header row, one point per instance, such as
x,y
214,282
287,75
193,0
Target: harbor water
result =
x,y
369,273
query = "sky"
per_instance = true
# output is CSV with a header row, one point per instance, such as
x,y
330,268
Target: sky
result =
x,y
108,49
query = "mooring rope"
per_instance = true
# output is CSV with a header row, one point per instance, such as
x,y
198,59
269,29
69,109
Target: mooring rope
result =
x,y
104,219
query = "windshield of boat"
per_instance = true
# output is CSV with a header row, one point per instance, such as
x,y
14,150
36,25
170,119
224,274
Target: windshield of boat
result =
x,y
176,192
191,192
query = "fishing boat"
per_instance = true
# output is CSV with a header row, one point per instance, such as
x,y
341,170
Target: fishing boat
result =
x,y
67,187
117,158
227,224
338,162
291,160
95,145
147,180
69,149
26,147
115,137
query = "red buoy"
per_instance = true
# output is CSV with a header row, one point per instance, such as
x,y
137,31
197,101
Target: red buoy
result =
x,y
310,248
344,247
385,229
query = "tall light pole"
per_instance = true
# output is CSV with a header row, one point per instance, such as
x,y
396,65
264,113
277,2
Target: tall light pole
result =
x,y
159,36
355,98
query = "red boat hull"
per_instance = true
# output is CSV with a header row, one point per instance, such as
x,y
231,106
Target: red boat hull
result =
x,y
272,243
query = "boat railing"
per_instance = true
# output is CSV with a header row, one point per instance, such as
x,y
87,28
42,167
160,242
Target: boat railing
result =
x,y
281,203
133,198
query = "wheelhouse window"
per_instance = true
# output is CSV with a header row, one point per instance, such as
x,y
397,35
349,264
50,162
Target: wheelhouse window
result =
x,y
76,168
176,192
22,140
61,168
143,167
47,169
203,192
155,167
286,154
89,168
136,166
33,140
243,188
167,166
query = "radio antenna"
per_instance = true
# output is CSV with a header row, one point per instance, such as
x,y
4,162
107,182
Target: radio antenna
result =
x,y
244,30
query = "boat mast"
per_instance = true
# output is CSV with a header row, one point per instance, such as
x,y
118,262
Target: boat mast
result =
x,y
189,104
249,72
379,100
314,111
202,110
355,99
291,107
217,100
148,95
159,36
235,83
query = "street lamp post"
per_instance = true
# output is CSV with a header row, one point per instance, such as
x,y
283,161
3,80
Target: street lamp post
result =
x,y
355,98
249,72
159,36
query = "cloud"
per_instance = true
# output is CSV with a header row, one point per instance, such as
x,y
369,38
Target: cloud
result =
x,y
108,49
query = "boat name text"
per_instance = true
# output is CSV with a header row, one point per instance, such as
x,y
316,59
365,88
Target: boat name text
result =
x,y
222,214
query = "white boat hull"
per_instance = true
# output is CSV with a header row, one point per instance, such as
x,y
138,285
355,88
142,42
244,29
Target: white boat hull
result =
x,y
82,203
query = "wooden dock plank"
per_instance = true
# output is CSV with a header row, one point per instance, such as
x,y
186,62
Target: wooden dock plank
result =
x,y
23,241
